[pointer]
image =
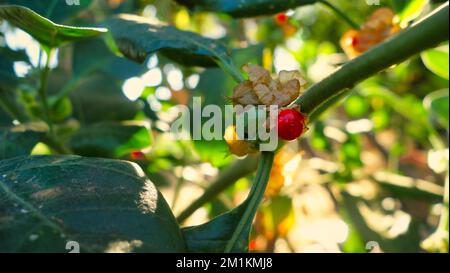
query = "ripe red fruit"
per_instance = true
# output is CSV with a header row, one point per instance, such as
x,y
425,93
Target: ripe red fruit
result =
x,y
291,124
137,155
281,18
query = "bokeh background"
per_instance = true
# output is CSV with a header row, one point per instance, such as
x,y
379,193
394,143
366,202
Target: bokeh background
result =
x,y
368,176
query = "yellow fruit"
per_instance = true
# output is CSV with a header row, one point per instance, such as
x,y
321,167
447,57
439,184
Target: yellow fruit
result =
x,y
236,145
378,28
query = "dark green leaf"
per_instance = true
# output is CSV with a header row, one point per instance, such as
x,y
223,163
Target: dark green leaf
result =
x,y
17,143
94,98
214,235
55,10
136,39
8,77
93,55
110,139
5,119
103,205
49,34
244,8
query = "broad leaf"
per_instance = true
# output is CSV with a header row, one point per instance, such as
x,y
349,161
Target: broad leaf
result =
x,y
437,61
52,202
93,55
55,10
217,234
49,34
244,8
213,236
18,143
110,139
137,38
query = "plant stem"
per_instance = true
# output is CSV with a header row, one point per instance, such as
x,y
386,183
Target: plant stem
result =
x,y
231,69
428,33
237,170
323,95
341,14
43,89
254,198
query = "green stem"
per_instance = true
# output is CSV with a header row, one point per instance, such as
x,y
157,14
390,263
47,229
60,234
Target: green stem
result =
x,y
237,170
254,198
323,95
43,89
341,14
426,34
231,69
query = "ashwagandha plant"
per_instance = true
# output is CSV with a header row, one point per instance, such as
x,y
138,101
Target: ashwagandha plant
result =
x,y
111,205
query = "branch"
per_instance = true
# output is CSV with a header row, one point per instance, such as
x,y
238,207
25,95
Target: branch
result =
x,y
226,178
428,33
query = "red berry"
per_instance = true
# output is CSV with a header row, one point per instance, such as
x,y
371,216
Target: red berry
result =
x,y
291,124
252,245
281,18
354,41
137,155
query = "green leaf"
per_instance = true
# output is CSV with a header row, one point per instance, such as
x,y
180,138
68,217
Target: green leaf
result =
x,y
55,10
230,231
213,236
244,8
103,205
437,105
136,39
14,142
96,95
214,151
436,60
110,139
49,34
93,55
410,10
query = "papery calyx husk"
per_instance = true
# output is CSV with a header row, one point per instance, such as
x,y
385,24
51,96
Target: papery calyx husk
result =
x,y
262,89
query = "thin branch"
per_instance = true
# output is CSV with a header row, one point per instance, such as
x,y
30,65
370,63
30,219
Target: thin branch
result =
x,y
341,14
426,34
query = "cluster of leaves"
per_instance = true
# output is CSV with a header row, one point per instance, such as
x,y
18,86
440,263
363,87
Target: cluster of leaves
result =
x,y
107,204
